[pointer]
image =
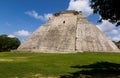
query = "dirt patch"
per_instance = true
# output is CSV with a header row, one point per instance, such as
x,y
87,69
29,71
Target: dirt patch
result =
x,y
20,59
6,60
41,76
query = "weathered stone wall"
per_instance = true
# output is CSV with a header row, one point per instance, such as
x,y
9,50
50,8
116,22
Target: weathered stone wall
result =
x,y
61,34
67,32
33,40
58,34
89,38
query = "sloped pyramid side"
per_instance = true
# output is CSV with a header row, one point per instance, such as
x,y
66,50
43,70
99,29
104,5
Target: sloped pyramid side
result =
x,y
68,32
90,38
32,42
58,34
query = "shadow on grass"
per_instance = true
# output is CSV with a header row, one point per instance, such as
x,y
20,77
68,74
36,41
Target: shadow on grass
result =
x,y
96,70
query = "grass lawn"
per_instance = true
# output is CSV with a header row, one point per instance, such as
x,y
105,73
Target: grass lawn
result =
x,y
38,65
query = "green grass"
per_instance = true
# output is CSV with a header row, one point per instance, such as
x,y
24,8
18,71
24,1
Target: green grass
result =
x,y
32,65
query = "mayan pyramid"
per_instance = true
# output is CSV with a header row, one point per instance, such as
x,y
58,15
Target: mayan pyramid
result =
x,y
68,31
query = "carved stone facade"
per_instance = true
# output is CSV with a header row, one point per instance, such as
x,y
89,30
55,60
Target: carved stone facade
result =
x,y
68,32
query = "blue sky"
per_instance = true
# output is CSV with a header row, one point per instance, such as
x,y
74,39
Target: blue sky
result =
x,y
19,18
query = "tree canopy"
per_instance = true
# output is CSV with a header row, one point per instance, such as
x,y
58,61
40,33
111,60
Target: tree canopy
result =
x,y
108,10
7,43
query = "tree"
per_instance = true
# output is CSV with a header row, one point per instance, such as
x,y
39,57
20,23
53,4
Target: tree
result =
x,y
7,43
108,10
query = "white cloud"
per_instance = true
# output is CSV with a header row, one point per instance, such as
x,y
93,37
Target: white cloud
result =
x,y
80,5
110,30
36,15
105,26
117,38
11,36
47,16
114,32
22,33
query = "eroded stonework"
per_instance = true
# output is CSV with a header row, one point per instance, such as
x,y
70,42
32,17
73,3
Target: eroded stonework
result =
x,y
68,32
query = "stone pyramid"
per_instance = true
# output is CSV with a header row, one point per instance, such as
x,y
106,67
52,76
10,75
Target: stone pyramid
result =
x,y
68,32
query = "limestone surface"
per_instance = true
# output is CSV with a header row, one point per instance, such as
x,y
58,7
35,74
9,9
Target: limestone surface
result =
x,y
68,32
